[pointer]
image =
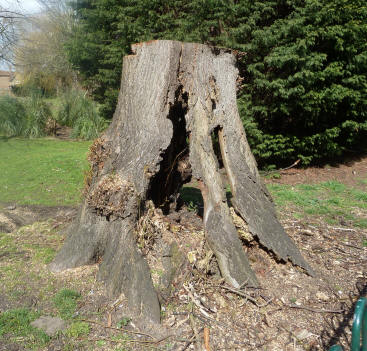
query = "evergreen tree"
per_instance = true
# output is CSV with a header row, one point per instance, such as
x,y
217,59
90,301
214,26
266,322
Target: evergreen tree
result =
x,y
305,83
304,64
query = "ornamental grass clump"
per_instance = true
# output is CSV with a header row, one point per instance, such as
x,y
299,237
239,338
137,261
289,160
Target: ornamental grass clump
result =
x,y
80,113
12,116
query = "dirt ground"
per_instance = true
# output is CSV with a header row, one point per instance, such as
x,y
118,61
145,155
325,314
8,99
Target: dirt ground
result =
x,y
290,311
13,216
349,173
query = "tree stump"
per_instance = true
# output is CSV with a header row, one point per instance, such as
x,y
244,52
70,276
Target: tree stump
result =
x,y
174,96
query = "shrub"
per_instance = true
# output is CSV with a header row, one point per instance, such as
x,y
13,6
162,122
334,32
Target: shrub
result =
x,y
23,117
36,83
80,113
12,116
304,90
37,114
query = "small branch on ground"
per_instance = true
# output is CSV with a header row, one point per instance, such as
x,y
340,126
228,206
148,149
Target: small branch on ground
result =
x,y
353,246
283,169
311,309
118,329
243,294
206,339
191,340
342,229
130,341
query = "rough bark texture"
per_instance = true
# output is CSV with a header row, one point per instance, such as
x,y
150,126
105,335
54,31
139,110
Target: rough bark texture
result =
x,y
173,97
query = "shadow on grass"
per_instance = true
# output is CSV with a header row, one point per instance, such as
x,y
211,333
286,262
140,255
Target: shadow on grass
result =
x,y
6,138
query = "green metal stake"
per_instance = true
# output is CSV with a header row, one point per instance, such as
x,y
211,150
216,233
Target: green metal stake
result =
x,y
336,348
359,329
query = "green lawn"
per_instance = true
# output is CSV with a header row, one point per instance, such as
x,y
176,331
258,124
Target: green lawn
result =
x,y
50,172
42,171
333,201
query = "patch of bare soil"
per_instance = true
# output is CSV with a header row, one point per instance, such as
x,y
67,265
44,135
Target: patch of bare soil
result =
x,y
63,132
290,311
350,172
13,217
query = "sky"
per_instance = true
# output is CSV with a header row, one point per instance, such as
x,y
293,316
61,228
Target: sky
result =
x,y
26,6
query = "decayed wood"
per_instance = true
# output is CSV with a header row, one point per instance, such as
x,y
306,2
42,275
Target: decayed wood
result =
x,y
210,77
173,97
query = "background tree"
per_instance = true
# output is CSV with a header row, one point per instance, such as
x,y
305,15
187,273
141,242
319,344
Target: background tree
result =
x,y
40,53
107,28
305,83
8,35
304,68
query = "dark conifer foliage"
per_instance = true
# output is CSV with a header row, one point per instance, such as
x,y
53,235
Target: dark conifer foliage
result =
x,y
304,68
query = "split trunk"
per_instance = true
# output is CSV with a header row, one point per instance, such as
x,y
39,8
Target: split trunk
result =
x,y
174,98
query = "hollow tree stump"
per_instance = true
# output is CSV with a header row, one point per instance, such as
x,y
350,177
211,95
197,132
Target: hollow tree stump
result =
x,y
173,97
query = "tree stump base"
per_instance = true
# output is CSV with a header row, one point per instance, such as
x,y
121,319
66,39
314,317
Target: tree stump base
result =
x,y
174,99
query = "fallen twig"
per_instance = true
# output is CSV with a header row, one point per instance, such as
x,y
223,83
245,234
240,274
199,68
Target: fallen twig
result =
x,y
191,340
246,296
197,302
194,328
204,319
282,169
353,246
118,329
183,313
131,340
342,229
316,310
206,339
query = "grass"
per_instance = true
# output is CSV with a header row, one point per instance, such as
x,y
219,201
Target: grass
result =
x,y
33,115
77,329
76,110
12,115
332,201
42,171
24,116
66,302
24,258
25,277
15,324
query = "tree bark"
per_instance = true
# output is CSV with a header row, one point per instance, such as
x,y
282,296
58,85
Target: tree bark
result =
x,y
173,97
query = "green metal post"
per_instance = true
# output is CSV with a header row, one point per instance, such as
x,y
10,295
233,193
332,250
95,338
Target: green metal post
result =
x,y
336,348
359,329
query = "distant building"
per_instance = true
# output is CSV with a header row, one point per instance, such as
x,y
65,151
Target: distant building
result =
x,y
6,80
